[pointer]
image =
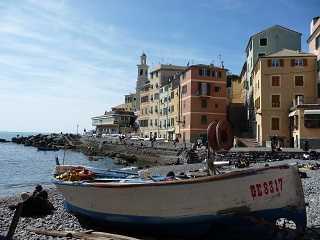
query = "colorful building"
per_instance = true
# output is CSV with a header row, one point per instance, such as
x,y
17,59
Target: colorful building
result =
x,y
150,105
268,41
280,80
118,120
131,103
314,47
203,100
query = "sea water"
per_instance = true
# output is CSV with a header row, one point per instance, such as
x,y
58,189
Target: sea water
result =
x,y
22,168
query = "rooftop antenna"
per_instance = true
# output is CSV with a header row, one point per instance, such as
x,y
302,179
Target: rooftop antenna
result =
x,y
220,60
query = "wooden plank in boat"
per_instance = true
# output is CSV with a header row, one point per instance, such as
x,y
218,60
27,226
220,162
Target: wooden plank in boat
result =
x,y
88,235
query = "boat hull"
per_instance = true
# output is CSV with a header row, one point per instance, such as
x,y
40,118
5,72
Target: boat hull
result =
x,y
203,206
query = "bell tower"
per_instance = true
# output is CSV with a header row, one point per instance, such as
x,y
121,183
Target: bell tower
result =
x,y
142,77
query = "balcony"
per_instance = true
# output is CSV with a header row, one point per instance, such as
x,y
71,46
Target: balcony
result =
x,y
301,100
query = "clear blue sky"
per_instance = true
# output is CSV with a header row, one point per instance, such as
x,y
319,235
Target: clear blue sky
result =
x,y
62,62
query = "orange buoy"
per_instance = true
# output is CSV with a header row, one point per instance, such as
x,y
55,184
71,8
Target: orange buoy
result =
x,y
224,135
212,137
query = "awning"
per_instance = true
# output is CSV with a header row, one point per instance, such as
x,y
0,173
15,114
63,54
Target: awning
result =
x,y
314,111
293,113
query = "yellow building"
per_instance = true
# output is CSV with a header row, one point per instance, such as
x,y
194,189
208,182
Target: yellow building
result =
x,y
236,91
131,102
169,118
150,105
280,79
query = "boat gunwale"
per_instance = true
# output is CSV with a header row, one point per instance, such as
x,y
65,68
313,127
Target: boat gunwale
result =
x,y
205,179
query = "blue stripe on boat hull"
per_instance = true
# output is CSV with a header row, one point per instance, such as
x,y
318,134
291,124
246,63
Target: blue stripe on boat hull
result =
x,y
256,225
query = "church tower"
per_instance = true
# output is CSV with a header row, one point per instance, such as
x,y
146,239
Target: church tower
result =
x,y
142,76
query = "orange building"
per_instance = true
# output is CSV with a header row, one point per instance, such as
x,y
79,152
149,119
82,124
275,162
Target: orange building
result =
x,y
203,99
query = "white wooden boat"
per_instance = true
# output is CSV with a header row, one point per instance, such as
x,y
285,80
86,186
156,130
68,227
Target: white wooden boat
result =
x,y
250,201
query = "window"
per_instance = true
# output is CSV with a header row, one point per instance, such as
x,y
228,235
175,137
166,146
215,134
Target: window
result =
x,y
156,108
204,103
317,42
184,90
275,81
216,105
275,99
156,74
275,62
156,122
172,122
156,96
172,108
204,89
219,74
297,62
312,120
204,119
207,72
151,110
150,122
261,54
275,124
263,42
217,89
200,72
184,121
141,72
299,99
144,99
172,94
298,81
213,72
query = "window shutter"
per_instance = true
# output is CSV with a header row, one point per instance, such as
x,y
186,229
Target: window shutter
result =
x,y
292,62
269,62
199,88
208,89
281,62
305,62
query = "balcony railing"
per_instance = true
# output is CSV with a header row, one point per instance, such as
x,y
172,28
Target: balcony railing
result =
x,y
300,100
